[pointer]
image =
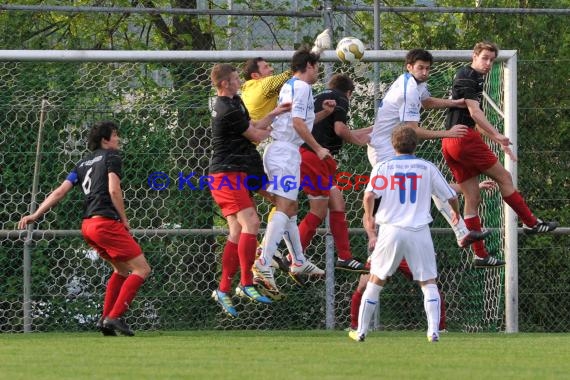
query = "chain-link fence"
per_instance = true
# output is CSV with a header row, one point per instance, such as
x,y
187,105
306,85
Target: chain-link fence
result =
x,y
163,112
56,282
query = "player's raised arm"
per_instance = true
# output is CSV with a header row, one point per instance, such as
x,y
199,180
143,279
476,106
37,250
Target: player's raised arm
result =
x,y
52,199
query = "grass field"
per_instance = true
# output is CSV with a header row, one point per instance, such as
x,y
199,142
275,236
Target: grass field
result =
x,y
283,355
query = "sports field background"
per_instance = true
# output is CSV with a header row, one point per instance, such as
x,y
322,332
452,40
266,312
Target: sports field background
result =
x,y
68,284
251,355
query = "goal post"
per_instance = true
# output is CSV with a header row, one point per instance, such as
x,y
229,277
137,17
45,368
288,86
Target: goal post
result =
x,y
161,100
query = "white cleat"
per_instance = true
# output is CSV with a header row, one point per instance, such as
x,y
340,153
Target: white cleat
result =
x,y
307,268
264,276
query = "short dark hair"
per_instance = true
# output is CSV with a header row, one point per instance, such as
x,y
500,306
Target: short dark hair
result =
x,y
251,66
221,72
341,82
418,55
301,57
100,130
486,45
404,139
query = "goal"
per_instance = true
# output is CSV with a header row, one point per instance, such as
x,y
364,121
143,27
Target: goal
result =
x,y
161,101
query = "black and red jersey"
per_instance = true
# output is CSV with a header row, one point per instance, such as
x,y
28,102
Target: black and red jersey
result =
x,y
323,131
92,174
467,84
231,150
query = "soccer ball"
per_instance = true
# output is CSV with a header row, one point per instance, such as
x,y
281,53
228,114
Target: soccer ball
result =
x,y
350,49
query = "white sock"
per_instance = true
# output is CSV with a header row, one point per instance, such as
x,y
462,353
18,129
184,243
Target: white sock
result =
x,y
460,229
432,308
273,235
293,241
370,300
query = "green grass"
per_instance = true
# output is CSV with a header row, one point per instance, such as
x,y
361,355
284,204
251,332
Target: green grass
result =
x,y
283,355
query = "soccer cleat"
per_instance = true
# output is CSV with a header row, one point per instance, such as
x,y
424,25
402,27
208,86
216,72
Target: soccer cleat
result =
x,y
488,262
307,268
540,227
264,276
118,324
472,236
250,292
105,330
351,265
225,302
353,334
281,262
433,338
322,42
299,279
274,295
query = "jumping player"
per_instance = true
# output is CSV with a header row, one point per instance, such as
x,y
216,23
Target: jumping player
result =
x,y
261,88
402,103
282,162
331,133
234,158
468,156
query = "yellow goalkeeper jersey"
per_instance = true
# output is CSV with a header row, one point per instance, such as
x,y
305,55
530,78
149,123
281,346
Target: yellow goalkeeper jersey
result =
x,y
260,95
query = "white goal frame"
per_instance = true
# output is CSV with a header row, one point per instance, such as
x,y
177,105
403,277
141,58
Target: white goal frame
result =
x,y
508,57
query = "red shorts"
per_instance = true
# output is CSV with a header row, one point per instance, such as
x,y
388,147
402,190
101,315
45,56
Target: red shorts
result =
x,y
232,195
467,156
110,239
317,176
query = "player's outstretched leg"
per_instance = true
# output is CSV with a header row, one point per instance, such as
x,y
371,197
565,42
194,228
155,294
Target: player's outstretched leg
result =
x,y
464,235
540,227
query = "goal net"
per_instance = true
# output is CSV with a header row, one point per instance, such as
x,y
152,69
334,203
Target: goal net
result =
x,y
162,104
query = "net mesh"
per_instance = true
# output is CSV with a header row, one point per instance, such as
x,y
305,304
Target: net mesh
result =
x,y
163,110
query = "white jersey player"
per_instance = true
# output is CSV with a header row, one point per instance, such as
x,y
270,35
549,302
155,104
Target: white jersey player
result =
x,y
300,94
282,163
402,104
405,185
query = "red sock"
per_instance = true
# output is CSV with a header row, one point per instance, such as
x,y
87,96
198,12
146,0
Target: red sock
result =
x,y
442,317
230,265
474,224
126,295
308,229
113,288
354,308
247,247
405,269
339,230
517,203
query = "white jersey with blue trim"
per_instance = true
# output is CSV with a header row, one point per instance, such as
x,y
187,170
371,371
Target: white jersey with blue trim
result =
x,y
402,102
406,184
300,95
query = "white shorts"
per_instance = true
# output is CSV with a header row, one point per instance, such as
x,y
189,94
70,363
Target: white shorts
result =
x,y
282,164
395,244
